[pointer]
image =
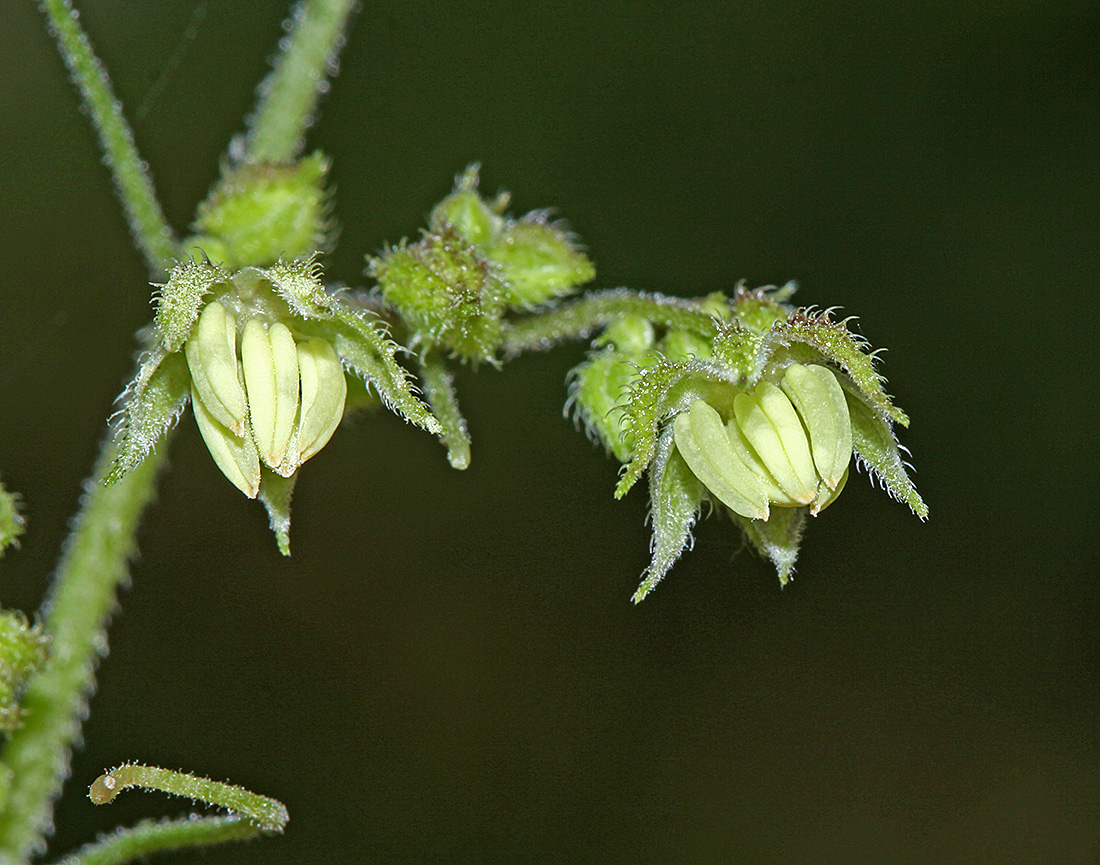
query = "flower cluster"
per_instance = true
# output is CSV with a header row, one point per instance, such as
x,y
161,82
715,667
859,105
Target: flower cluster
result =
x,y
261,354
753,405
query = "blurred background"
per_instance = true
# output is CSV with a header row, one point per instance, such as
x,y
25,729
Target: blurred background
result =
x,y
449,669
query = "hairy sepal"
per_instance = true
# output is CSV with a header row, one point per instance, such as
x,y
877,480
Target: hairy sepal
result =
x,y
877,448
777,538
676,496
151,405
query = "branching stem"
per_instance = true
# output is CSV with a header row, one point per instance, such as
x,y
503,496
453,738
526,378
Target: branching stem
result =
x,y
160,836
130,173
580,318
289,95
76,612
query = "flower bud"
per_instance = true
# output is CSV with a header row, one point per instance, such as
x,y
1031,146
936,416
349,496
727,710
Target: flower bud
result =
x,y
291,401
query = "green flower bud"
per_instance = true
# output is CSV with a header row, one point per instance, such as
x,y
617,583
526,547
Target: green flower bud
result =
x,y
294,397
22,652
466,213
601,385
259,213
537,262
447,291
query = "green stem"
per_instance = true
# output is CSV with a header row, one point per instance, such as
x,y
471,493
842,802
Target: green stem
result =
x,y
289,95
135,187
76,611
160,836
580,318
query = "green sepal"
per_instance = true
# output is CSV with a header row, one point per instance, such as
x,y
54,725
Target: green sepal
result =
x,y
777,537
151,405
836,344
660,391
23,649
537,262
275,493
675,499
262,213
448,293
11,521
180,299
877,448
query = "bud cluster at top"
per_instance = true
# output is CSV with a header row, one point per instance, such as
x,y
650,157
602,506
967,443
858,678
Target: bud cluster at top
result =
x,y
472,266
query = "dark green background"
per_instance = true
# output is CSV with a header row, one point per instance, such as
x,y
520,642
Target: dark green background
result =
x,y
449,669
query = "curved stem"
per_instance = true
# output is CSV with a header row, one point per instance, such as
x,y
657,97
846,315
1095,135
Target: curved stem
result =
x,y
289,95
267,813
130,173
160,836
580,318
76,612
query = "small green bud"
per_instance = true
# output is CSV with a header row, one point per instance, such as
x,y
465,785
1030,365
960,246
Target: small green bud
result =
x,y
11,521
259,213
466,213
601,385
22,652
629,335
682,345
538,262
447,291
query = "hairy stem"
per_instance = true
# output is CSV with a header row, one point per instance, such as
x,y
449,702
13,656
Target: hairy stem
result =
x,y
580,318
159,836
267,813
76,612
289,95
135,187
